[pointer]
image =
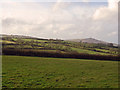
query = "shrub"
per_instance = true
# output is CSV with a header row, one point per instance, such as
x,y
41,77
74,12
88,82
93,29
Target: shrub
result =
x,y
23,52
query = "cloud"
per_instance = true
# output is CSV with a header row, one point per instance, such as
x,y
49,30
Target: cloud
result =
x,y
107,19
60,20
86,0
59,4
107,11
112,34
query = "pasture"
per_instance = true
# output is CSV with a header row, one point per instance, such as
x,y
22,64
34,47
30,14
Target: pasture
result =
x,y
12,42
41,72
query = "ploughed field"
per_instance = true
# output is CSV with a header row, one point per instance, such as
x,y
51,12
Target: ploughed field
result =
x,y
41,72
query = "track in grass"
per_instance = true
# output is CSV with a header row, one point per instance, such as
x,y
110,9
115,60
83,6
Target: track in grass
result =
x,y
38,72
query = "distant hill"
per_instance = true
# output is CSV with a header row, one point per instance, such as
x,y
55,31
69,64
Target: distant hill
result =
x,y
28,43
86,40
90,40
15,36
19,36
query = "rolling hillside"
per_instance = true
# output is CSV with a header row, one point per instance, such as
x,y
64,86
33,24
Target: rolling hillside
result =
x,y
16,43
89,40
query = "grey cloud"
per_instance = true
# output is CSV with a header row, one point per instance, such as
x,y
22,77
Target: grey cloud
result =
x,y
12,21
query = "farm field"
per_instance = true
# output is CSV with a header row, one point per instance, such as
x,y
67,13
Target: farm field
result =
x,y
40,72
30,43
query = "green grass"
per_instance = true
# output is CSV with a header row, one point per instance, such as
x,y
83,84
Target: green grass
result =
x,y
5,41
35,40
111,50
14,39
39,72
67,46
89,51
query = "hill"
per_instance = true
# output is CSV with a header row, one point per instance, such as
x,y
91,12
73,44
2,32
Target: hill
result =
x,y
92,40
53,47
18,36
89,40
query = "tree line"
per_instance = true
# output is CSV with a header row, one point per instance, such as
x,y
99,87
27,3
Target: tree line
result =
x,y
57,54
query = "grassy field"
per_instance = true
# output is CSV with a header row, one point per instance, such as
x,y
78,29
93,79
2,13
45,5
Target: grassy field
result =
x,y
5,41
20,42
37,72
89,52
35,40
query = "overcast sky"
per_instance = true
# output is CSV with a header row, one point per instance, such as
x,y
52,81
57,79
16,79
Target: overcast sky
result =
x,y
63,20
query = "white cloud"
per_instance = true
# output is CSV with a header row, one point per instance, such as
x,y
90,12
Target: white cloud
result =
x,y
86,0
107,11
60,20
107,17
112,34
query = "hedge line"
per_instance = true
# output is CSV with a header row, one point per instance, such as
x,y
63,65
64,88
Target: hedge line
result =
x,y
57,54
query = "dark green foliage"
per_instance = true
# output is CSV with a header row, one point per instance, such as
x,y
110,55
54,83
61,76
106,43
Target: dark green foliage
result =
x,y
56,54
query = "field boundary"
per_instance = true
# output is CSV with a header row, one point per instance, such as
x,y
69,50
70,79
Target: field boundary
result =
x,y
23,52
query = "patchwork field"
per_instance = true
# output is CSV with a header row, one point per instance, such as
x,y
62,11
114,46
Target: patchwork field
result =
x,y
40,72
29,43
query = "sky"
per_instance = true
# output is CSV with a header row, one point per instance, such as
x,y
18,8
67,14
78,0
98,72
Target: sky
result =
x,y
61,19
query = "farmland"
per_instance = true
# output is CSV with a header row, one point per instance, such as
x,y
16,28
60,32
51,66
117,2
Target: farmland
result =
x,y
12,42
41,72
13,45
30,62
31,46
